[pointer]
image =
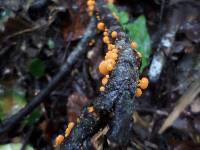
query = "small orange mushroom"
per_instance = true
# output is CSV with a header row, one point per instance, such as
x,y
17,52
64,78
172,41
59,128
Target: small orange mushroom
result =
x,y
90,2
101,26
105,33
102,88
110,61
106,39
134,45
69,128
115,50
67,132
71,125
143,83
114,34
91,7
109,67
90,13
90,109
110,47
59,139
104,81
111,55
138,92
98,18
103,68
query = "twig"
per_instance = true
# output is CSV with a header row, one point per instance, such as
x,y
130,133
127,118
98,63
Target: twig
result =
x,y
27,138
184,101
64,70
151,110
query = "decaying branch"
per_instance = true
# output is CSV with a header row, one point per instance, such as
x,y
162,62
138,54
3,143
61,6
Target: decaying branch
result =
x,y
115,105
79,51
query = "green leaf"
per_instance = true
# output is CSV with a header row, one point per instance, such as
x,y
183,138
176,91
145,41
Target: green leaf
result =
x,y
37,68
18,95
33,117
14,146
139,33
123,15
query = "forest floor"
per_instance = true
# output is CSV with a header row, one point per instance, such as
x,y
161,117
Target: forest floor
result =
x,y
49,72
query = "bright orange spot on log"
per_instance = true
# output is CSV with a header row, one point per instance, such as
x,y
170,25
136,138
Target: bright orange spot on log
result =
x,y
102,89
134,45
110,47
105,33
104,81
90,2
114,34
106,39
101,26
110,61
109,67
111,55
103,68
69,128
138,92
143,83
59,139
114,50
90,109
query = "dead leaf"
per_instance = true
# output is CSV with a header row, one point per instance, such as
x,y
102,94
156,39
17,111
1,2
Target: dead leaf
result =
x,y
139,120
74,105
78,20
97,139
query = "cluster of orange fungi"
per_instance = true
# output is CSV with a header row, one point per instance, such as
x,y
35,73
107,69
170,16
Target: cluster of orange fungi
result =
x,y
59,139
106,65
90,5
142,85
109,62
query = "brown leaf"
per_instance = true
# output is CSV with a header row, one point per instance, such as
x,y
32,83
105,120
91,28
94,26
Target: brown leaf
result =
x,y
74,105
78,20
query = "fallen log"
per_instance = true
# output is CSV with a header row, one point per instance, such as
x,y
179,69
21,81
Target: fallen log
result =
x,y
115,105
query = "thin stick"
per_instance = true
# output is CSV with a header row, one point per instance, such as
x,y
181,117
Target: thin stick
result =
x,y
183,102
64,71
